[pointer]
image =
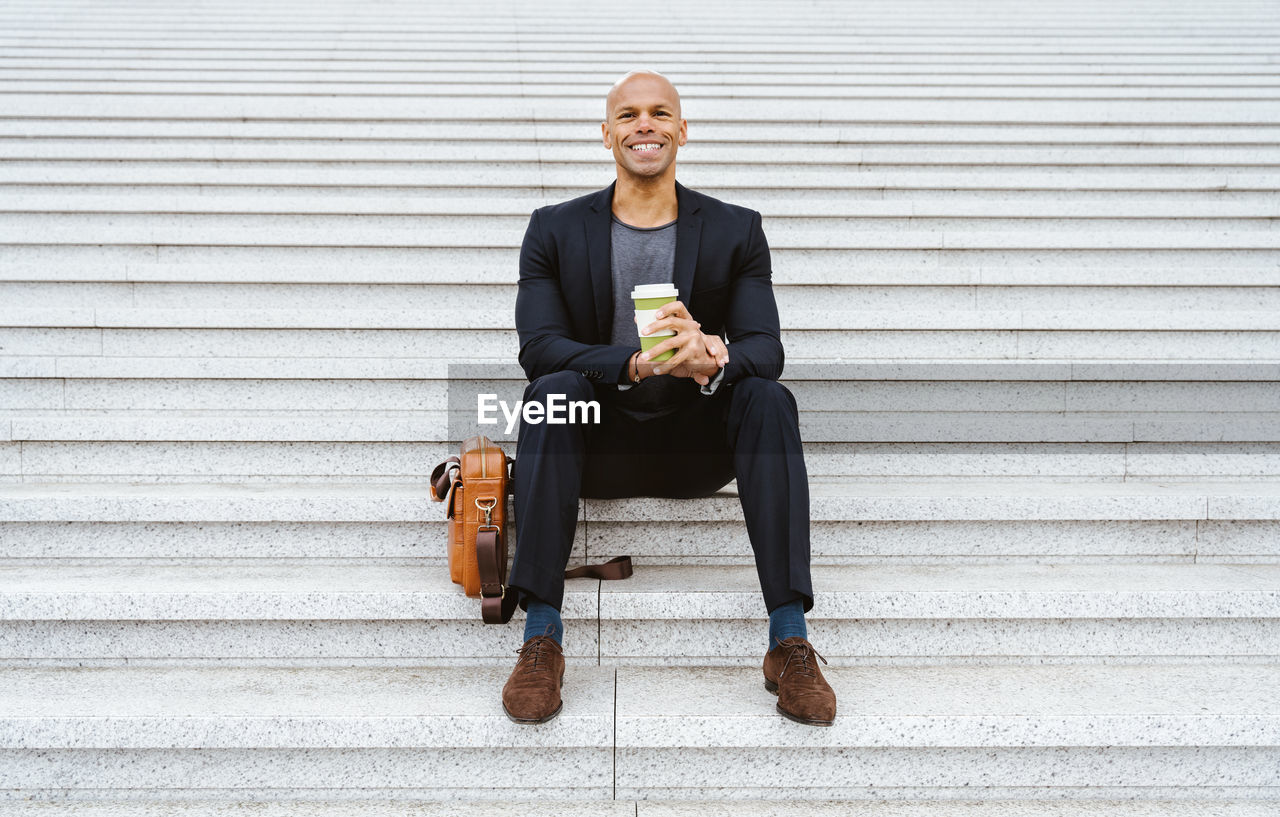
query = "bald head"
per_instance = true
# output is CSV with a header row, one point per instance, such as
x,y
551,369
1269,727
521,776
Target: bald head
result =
x,y
611,99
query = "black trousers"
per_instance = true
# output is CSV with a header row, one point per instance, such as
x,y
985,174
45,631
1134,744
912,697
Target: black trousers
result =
x,y
749,430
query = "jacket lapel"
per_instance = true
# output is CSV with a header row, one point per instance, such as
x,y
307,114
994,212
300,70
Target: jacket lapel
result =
x,y
688,237
599,226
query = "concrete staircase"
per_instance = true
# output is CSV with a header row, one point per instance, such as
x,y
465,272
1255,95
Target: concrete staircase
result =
x,y
1028,269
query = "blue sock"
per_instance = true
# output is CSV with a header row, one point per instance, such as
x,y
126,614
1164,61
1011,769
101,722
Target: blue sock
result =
x,y
786,621
538,617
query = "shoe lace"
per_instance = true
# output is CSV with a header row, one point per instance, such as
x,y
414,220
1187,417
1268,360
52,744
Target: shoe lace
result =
x,y
802,651
533,651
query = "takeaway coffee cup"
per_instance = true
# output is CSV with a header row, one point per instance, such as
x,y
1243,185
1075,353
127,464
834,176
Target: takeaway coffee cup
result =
x,y
648,298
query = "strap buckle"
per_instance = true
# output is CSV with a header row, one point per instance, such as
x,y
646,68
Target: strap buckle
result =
x,y
488,511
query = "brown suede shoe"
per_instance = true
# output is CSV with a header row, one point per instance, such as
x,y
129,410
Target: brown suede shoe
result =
x,y
532,693
803,694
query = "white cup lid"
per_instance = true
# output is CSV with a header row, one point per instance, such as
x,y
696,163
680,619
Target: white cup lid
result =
x,y
655,291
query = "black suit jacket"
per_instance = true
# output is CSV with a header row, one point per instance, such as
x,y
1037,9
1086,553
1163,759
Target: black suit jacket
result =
x,y
564,306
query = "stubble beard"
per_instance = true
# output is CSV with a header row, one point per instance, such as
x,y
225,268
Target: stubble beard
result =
x,y
643,177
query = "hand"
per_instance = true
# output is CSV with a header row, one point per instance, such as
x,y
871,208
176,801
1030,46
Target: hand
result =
x,y
698,355
716,350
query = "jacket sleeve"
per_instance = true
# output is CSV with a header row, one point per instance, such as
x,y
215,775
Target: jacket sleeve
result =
x,y
751,322
543,325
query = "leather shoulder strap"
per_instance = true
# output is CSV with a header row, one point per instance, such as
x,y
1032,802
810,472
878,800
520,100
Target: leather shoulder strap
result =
x,y
496,607
618,567
442,478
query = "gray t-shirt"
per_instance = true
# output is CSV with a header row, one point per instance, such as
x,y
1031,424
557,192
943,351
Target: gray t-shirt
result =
x,y
643,255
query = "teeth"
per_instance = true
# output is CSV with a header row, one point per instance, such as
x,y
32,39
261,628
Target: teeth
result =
x,y
645,147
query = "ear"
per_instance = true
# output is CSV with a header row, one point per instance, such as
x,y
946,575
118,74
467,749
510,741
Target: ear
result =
x,y
604,134
684,132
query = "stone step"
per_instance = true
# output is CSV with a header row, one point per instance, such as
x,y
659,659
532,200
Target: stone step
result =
x,y
62,265
559,41
691,155
502,371
595,46
941,230
447,320
783,233
856,72
304,611
793,807
143,388
556,39
929,23
1078,732
854,522
498,299
907,267
385,806
415,231
1081,337
693,93
633,733
671,615
261,610
103,387
269,733
774,202
881,20
1217,43
1237,337
397,462
379,426
727,132
503,175
806,213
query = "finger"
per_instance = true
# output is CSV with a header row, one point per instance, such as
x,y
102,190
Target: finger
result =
x,y
681,355
717,350
664,323
682,333
722,358
669,364
720,354
678,324
684,339
672,342
675,308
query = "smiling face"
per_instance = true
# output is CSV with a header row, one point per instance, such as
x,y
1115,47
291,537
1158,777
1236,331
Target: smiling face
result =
x,y
643,127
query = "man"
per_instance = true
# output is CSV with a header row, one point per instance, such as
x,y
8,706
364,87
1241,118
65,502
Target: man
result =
x,y
680,428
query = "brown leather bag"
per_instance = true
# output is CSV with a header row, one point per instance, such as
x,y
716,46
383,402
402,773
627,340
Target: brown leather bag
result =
x,y
475,487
